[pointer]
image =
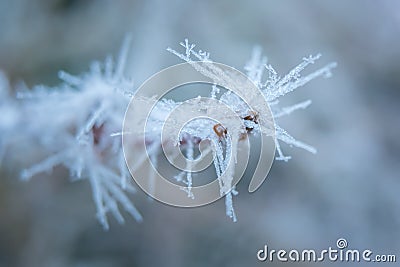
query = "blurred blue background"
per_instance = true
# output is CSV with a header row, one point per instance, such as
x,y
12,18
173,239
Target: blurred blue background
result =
x,y
350,189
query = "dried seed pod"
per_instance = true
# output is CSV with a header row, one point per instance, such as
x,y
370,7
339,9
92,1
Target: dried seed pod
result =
x,y
220,130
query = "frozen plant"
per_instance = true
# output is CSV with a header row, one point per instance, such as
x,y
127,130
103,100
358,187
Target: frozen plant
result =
x,y
77,124
270,84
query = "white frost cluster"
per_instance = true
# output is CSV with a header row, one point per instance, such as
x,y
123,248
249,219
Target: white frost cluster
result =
x,y
271,85
75,123
268,81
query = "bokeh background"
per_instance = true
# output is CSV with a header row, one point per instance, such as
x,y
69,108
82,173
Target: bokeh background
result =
x,y
350,189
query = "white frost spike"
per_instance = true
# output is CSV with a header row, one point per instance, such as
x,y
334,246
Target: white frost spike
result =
x,y
189,167
230,212
287,110
288,139
255,67
292,80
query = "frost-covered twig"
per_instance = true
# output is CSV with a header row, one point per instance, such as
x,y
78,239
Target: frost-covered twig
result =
x,y
78,124
74,121
272,87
